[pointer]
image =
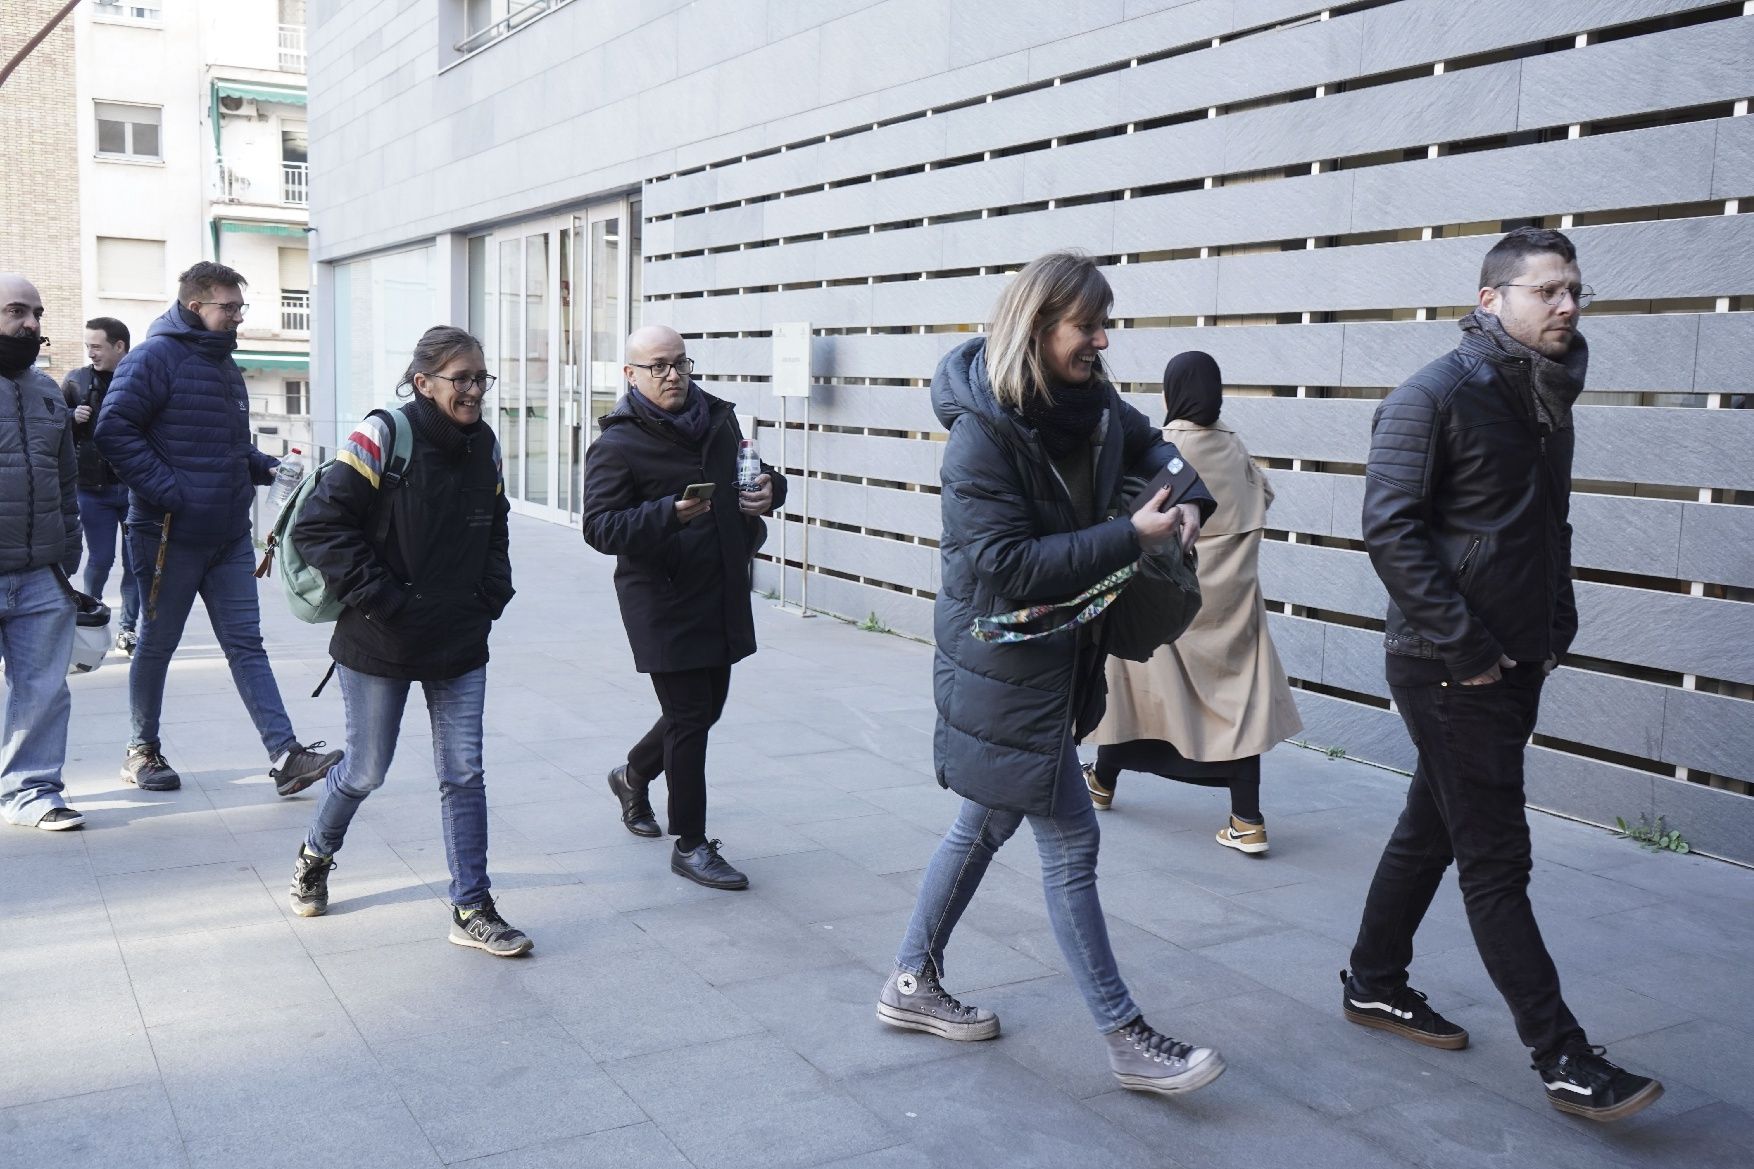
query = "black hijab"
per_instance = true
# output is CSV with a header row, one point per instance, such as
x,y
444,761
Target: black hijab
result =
x,y
1192,388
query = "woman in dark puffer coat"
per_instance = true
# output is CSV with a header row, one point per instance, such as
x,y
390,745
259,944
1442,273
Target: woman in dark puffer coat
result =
x,y
1039,440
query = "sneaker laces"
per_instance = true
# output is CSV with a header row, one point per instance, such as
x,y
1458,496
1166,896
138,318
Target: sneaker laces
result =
x,y
1155,1044
311,869
1414,1001
930,977
150,757
1586,1062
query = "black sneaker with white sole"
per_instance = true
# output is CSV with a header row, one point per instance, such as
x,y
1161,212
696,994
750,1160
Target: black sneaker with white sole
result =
x,y
146,769
1402,1012
1583,1083
919,1002
484,929
60,820
310,882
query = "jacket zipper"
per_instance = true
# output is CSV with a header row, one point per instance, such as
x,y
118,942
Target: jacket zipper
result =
x,y
30,480
1467,559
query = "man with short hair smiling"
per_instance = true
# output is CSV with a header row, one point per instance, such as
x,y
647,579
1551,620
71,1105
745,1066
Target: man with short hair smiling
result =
x,y
682,561
1466,517
39,537
176,427
103,498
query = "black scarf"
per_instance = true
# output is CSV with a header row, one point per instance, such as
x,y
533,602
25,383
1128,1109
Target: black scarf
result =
x,y
1066,416
1555,384
690,423
436,427
1192,388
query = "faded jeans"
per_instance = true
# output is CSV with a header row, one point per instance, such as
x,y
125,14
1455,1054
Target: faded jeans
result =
x,y
36,644
374,717
101,513
1068,842
225,577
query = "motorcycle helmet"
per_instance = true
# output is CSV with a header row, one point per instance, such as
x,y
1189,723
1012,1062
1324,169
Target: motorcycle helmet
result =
x,y
91,633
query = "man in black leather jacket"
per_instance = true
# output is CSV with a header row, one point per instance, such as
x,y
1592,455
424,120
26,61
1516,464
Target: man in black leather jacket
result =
x,y
1466,506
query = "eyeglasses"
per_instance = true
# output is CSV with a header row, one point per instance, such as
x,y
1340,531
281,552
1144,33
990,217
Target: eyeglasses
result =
x,y
481,381
661,369
229,308
1553,292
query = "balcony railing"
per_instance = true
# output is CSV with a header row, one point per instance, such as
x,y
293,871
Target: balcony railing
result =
x,y
295,312
145,10
233,187
521,12
292,48
295,183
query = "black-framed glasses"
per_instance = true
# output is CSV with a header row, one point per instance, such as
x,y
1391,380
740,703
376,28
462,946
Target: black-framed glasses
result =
x,y
661,369
1553,292
229,308
481,381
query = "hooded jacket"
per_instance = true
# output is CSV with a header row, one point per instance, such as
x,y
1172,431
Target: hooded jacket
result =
x,y
683,588
39,504
86,386
1011,538
175,425
420,607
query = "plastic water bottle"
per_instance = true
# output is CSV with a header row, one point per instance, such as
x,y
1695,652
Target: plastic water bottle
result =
x,y
748,466
286,479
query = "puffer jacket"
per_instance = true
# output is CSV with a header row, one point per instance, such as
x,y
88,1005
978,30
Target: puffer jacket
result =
x,y
1012,538
39,474
420,606
176,427
85,386
1467,503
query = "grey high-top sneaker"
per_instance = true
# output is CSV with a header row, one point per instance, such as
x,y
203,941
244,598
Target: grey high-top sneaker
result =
x,y
919,1002
1146,1061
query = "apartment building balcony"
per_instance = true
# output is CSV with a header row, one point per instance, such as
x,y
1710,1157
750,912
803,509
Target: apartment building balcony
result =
x,y
295,312
295,183
292,48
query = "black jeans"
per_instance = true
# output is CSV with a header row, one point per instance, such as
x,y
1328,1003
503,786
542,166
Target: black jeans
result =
x,y
691,701
1157,757
1466,803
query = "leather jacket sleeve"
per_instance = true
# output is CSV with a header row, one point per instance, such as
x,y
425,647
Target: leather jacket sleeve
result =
x,y
1406,453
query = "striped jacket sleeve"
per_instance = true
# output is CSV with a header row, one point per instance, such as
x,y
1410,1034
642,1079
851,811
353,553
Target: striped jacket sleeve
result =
x,y
333,531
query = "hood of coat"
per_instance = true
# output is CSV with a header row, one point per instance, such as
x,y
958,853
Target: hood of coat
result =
x,y
960,386
174,322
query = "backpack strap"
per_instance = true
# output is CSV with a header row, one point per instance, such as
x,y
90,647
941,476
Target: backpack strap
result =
x,y
395,469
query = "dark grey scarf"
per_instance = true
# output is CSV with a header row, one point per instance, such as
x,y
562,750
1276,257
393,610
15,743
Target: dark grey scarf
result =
x,y
1555,384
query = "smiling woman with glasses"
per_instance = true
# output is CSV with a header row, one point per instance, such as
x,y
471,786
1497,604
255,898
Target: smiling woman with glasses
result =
x,y
418,557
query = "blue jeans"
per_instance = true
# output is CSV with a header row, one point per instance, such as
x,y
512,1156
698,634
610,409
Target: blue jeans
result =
x,y
224,576
36,644
101,512
1067,841
374,716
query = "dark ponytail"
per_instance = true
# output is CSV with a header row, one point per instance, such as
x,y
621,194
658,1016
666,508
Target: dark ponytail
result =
x,y
435,350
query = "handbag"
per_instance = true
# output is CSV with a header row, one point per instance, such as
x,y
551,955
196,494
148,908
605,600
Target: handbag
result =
x,y
1160,601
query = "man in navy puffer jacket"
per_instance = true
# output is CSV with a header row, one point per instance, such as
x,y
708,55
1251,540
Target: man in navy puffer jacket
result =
x,y
176,428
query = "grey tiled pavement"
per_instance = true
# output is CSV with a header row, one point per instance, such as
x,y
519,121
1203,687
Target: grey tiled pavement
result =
x,y
164,1008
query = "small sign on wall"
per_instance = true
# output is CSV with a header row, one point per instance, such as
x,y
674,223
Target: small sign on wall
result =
x,y
791,359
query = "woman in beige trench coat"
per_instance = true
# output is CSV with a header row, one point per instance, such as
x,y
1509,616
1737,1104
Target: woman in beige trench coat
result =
x,y
1206,707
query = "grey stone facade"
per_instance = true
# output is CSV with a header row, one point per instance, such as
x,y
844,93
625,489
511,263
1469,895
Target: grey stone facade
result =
x,y
1305,192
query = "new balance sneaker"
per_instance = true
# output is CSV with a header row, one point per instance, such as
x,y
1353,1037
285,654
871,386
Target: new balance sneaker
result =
x,y
1405,1013
60,820
1583,1083
310,882
919,1002
484,929
302,767
1244,837
1102,798
704,866
146,769
1146,1060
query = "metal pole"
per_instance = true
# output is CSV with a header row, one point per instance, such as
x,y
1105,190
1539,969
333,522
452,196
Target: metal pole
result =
x,y
785,521
804,557
42,35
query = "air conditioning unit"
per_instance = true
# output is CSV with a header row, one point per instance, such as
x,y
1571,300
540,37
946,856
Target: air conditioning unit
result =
x,y
238,107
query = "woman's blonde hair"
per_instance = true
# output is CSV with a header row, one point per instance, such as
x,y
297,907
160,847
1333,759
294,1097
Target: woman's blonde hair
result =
x,y
1050,289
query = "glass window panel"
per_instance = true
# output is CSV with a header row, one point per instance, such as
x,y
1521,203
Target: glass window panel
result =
x,y
511,384
606,320
536,368
635,275
382,306
112,137
145,141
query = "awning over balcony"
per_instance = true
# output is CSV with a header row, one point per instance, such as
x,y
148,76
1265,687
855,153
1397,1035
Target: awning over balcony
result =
x,y
252,227
290,97
255,359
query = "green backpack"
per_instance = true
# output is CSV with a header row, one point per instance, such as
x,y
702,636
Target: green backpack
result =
x,y
307,593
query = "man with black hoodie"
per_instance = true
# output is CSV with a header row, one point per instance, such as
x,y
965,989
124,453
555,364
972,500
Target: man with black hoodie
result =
x,y
176,427
682,563
1467,499
103,498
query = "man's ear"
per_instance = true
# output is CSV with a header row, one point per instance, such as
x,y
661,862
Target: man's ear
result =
x,y
1490,299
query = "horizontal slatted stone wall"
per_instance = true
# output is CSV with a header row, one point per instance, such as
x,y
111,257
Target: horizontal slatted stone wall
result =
x,y
1306,193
